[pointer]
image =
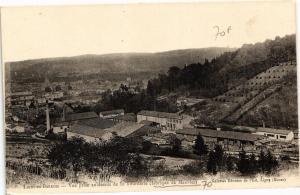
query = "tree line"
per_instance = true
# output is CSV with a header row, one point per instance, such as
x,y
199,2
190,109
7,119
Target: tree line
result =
x,y
213,78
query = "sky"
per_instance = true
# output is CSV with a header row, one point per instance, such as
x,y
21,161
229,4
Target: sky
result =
x,y
56,31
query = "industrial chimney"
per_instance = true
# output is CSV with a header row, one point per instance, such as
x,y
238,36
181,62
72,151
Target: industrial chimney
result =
x,y
63,118
47,116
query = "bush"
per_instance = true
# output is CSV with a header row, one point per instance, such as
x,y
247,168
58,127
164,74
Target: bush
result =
x,y
194,168
120,154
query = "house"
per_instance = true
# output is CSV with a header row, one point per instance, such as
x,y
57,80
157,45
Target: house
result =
x,y
54,95
275,134
20,98
111,113
226,138
19,129
60,127
41,100
167,121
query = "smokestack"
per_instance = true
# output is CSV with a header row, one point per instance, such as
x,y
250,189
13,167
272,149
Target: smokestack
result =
x,y
64,113
47,116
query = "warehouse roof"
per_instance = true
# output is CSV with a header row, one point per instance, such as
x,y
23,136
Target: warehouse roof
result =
x,y
220,134
87,130
109,112
80,116
130,117
97,123
160,114
275,131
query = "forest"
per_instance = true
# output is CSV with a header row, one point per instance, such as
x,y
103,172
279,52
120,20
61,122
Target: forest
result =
x,y
214,77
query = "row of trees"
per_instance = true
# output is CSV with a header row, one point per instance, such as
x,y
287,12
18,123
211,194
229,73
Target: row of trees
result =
x,y
132,102
245,164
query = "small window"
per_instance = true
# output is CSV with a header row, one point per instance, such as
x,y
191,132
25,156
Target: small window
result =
x,y
283,137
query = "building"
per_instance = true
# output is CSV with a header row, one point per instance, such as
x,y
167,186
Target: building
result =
x,y
226,138
20,98
128,117
111,113
124,129
80,116
145,130
54,95
275,134
91,130
60,127
88,133
184,101
167,121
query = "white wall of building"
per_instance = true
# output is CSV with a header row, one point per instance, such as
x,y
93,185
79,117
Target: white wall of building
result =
x,y
277,136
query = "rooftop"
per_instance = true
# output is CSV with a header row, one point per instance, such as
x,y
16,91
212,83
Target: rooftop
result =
x,y
244,129
220,134
81,116
275,131
97,123
87,130
160,114
127,117
58,124
145,130
119,111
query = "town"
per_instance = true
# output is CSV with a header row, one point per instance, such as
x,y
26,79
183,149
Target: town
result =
x,y
175,130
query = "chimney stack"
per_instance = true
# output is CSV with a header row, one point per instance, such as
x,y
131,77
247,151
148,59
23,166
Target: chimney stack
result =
x,y
47,116
64,113
263,123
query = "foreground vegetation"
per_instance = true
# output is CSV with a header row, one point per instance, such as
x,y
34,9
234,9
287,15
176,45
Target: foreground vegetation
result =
x,y
123,156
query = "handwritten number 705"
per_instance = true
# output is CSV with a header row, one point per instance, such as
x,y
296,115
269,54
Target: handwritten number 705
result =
x,y
221,33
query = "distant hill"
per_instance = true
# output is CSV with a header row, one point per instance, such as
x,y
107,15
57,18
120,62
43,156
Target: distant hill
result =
x,y
215,77
116,63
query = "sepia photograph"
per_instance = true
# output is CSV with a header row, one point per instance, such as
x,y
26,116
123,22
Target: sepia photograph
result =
x,y
150,96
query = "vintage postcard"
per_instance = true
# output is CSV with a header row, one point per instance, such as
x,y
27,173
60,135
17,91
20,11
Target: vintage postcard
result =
x,y
150,97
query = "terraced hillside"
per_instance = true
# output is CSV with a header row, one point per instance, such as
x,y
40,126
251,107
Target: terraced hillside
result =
x,y
277,110
240,99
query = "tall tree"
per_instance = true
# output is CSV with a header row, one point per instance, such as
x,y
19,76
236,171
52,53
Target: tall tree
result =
x,y
212,163
243,163
200,147
219,155
176,145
